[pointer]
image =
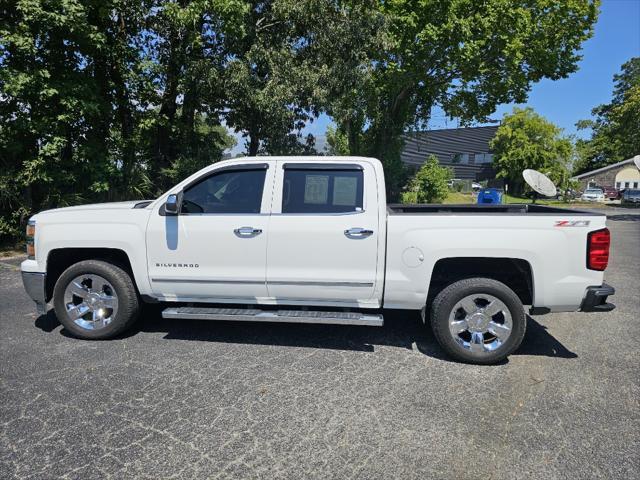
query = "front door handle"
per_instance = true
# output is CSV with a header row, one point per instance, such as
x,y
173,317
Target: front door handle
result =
x,y
247,231
358,232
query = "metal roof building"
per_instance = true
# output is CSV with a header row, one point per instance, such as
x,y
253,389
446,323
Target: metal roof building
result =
x,y
465,150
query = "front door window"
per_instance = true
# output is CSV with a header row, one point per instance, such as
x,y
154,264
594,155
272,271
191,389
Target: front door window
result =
x,y
233,191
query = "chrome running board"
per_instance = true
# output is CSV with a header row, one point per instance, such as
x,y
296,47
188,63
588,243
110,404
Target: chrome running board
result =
x,y
286,316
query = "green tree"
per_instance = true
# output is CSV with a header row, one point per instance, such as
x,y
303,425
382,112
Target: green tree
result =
x,y
186,55
337,141
429,184
293,58
464,56
528,140
113,99
107,100
615,128
55,106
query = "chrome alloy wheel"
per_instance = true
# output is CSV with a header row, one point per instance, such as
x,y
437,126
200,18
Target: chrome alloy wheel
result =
x,y
480,322
91,301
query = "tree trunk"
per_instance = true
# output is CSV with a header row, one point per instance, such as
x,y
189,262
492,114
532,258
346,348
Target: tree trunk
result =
x,y
125,116
190,102
99,134
254,143
187,119
163,153
353,136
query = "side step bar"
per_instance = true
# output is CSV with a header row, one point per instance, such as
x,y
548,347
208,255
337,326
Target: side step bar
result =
x,y
287,316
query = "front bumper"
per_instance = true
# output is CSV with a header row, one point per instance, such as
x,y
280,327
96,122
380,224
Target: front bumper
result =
x,y
35,285
596,299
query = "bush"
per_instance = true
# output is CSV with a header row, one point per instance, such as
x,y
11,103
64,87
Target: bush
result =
x,y
429,184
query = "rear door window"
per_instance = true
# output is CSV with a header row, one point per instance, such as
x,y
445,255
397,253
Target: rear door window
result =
x,y
308,190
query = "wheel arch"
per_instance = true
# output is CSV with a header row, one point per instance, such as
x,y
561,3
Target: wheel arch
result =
x,y
516,273
59,259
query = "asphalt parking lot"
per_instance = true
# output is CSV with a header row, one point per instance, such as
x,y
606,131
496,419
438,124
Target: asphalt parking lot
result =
x,y
189,399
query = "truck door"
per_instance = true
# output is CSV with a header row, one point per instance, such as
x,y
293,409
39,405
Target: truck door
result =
x,y
215,248
324,231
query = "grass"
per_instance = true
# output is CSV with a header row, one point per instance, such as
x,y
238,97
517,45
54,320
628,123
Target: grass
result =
x,y
559,203
468,198
459,197
511,199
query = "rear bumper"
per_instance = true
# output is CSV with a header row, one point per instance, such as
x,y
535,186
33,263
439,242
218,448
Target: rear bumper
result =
x,y
35,285
595,299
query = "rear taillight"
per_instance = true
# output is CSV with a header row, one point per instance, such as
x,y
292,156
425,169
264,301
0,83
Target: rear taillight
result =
x,y
598,249
31,236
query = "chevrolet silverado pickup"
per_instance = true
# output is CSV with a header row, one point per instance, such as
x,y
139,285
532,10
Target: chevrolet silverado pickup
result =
x,y
312,240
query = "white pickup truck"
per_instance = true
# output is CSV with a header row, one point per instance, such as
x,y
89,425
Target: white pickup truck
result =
x,y
312,239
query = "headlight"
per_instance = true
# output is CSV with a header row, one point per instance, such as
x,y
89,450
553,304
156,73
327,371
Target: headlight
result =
x,y
31,235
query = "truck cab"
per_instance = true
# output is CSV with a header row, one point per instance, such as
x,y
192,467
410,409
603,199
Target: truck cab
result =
x,y
271,231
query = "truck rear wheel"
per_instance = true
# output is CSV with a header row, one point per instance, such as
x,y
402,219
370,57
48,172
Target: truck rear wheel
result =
x,y
95,300
478,320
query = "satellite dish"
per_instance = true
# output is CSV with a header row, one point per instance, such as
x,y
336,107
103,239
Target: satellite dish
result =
x,y
636,160
539,182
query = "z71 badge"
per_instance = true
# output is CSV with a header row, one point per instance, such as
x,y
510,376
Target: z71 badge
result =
x,y
572,223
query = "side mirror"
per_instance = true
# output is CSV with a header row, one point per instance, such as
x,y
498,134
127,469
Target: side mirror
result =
x,y
171,205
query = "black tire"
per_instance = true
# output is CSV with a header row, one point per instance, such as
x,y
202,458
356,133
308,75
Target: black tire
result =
x,y
125,291
447,299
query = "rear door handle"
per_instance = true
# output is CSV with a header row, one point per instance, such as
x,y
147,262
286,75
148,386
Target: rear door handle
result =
x,y
358,232
247,231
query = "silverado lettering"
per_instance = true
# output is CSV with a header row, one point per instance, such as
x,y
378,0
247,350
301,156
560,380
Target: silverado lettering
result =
x,y
178,265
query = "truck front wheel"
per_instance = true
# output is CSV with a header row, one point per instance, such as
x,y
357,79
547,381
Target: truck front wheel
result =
x,y
478,320
95,300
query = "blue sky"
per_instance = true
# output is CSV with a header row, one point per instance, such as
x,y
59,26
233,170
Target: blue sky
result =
x,y
616,40
564,102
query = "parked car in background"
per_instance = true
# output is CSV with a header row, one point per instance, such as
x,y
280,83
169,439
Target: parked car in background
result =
x,y
611,193
593,195
631,197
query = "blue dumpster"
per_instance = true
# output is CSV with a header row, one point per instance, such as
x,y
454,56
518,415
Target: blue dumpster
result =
x,y
490,195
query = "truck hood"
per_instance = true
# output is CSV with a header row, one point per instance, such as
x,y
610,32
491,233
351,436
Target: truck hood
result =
x,y
93,206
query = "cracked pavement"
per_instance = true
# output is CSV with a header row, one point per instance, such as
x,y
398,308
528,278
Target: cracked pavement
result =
x,y
194,399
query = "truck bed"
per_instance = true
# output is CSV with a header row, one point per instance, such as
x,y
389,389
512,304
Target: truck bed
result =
x,y
512,209
551,241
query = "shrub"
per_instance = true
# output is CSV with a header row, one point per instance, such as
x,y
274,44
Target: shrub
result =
x,y
429,184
